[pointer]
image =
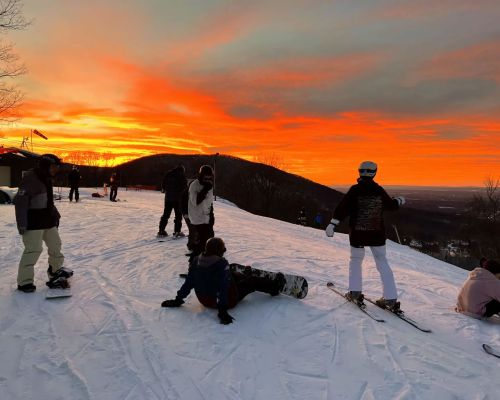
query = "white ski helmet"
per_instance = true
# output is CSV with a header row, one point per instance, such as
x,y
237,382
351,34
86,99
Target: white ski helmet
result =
x,y
367,169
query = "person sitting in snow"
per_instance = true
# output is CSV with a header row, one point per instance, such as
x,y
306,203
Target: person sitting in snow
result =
x,y
365,204
216,286
479,296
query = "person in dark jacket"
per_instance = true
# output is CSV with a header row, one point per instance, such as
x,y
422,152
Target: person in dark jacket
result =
x,y
216,286
38,221
174,185
365,204
74,183
113,184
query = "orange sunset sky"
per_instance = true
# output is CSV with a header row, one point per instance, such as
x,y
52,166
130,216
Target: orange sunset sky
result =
x,y
320,85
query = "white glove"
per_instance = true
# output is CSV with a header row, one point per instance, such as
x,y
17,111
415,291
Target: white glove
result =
x,y
401,200
330,229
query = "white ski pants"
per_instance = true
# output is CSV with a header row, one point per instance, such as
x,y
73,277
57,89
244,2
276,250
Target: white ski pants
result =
x,y
355,274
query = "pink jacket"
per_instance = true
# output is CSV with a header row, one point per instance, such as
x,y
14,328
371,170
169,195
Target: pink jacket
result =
x,y
479,289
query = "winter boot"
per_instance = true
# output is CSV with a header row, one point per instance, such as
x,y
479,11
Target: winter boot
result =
x,y
27,288
278,284
390,304
58,283
162,234
64,272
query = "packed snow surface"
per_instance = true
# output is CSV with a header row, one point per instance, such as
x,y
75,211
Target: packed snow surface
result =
x,y
112,340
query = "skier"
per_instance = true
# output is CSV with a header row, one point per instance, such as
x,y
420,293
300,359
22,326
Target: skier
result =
x,y
302,218
74,183
365,204
113,183
200,208
479,296
216,286
38,221
173,185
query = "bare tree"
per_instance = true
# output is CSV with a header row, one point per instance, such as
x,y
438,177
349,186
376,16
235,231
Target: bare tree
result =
x,y
493,197
272,159
90,158
11,18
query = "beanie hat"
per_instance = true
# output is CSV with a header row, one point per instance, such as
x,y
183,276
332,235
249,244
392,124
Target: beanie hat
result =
x,y
367,169
215,247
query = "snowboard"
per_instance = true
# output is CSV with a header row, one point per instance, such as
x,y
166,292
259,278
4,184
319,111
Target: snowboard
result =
x,y
58,293
295,285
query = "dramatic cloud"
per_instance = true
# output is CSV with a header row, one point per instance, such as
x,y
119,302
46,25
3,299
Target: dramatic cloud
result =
x,y
411,85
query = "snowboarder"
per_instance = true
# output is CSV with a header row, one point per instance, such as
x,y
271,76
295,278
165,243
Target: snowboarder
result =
x,y
479,296
38,221
173,185
74,183
200,208
365,204
216,286
113,183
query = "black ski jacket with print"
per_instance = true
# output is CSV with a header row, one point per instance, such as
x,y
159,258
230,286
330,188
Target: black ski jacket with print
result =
x,y
365,204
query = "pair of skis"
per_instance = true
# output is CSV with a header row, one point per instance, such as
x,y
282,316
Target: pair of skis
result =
x,y
362,306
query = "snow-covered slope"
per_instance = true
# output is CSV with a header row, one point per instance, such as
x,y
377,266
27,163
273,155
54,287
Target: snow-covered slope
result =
x,y
112,340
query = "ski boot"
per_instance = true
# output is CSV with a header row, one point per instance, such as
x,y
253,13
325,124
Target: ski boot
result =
x,y
391,305
355,297
64,272
161,234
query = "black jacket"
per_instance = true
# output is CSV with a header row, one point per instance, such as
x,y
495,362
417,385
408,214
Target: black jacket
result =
x,y
211,280
74,178
365,204
174,184
34,202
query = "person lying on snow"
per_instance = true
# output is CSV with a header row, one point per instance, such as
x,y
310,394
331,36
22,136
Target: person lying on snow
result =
x,y
479,296
216,286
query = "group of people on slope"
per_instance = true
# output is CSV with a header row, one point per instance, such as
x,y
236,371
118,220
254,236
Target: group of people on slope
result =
x,y
193,202
209,273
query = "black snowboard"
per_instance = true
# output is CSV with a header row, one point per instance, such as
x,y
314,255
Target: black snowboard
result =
x,y
295,286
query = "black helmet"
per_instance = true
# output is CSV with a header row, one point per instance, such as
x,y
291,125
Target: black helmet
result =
x,y
215,247
46,160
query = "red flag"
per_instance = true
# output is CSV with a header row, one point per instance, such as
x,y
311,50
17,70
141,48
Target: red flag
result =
x,y
40,134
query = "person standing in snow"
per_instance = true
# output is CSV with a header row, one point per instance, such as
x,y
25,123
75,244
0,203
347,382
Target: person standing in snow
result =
x,y
479,296
38,221
200,208
74,183
113,183
365,204
216,286
174,184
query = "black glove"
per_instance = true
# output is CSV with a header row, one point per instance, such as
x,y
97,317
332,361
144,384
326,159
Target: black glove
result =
x,y
225,318
173,303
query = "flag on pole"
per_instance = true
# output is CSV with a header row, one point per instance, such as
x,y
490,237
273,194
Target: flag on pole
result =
x,y
40,134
